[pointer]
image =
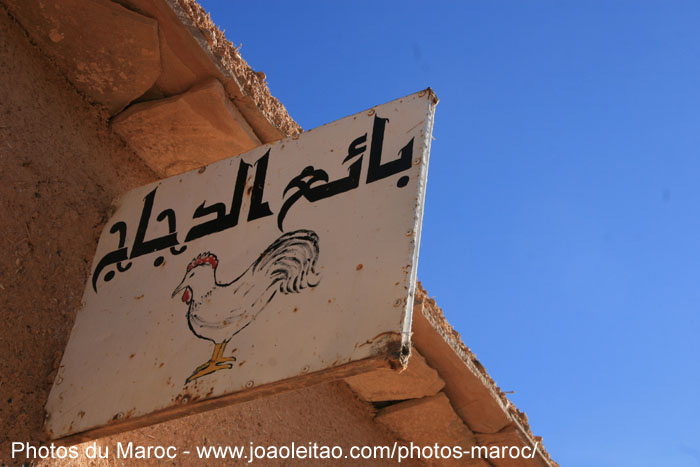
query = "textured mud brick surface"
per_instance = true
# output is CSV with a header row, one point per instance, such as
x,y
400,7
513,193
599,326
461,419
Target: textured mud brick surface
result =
x,y
60,167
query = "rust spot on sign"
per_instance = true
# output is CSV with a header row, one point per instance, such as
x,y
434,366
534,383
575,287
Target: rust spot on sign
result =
x,y
371,341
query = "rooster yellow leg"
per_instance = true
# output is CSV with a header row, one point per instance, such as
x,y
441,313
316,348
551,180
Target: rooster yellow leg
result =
x,y
216,362
219,353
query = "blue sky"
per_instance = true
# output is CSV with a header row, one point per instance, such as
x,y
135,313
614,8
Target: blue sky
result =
x,y
562,227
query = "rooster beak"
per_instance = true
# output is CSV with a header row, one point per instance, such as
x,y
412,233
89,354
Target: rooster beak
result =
x,y
179,289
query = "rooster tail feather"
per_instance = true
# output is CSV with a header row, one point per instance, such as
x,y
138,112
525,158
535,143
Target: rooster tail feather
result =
x,y
289,261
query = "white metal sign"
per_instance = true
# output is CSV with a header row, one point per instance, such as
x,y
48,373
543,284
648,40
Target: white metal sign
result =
x,y
295,257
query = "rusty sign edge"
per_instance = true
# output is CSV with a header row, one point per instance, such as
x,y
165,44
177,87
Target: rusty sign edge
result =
x,y
406,332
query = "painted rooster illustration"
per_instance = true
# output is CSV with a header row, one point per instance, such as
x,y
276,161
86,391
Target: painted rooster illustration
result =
x,y
218,311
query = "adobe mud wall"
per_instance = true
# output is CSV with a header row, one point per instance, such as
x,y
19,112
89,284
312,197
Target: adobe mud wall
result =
x,y
60,167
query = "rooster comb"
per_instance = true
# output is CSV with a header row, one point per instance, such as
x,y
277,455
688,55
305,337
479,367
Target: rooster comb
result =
x,y
204,258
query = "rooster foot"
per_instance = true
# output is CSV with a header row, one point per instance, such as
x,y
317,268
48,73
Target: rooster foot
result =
x,y
210,367
221,364
216,363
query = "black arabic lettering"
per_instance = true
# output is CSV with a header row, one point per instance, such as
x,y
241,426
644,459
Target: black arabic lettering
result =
x,y
309,176
379,171
311,184
304,182
142,246
116,256
258,208
170,215
222,221
344,184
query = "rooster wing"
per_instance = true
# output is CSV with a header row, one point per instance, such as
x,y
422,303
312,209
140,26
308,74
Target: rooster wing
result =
x,y
286,266
288,263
